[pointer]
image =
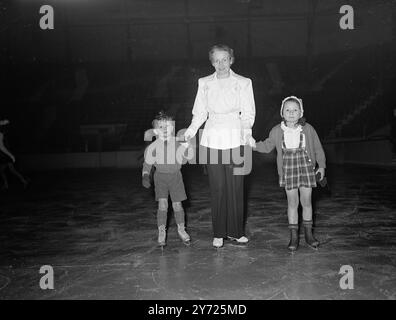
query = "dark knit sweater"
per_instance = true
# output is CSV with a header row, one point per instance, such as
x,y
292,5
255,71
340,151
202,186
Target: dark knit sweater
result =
x,y
312,145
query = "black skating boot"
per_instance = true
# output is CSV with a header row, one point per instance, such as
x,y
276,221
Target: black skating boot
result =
x,y
293,244
309,238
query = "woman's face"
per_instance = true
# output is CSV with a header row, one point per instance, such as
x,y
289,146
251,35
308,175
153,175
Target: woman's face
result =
x,y
221,61
291,111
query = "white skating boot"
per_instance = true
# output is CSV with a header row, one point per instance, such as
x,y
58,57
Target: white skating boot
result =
x,y
162,236
183,234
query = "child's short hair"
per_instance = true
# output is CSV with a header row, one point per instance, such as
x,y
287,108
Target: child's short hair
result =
x,y
221,47
161,116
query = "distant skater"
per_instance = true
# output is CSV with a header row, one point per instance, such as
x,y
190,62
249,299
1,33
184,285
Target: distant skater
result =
x,y
7,159
298,150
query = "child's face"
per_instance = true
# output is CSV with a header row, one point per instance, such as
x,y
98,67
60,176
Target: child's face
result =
x,y
221,61
164,129
291,111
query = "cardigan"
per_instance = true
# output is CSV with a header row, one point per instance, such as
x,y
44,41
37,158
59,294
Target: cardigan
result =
x,y
312,145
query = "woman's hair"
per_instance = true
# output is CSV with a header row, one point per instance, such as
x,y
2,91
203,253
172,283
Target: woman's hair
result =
x,y
221,47
161,116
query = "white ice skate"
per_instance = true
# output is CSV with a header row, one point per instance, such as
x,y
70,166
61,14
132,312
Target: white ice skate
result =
x,y
183,234
162,236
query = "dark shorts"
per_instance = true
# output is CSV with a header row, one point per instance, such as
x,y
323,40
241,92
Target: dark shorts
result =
x,y
169,183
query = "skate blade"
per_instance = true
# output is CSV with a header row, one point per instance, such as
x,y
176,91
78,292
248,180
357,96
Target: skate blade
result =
x,y
238,244
316,248
186,242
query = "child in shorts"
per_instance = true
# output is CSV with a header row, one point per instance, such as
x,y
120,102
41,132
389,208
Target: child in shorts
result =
x,y
167,155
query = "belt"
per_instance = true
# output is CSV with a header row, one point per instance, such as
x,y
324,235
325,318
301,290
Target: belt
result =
x,y
224,116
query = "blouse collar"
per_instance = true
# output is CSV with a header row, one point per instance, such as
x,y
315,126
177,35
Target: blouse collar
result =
x,y
287,129
232,75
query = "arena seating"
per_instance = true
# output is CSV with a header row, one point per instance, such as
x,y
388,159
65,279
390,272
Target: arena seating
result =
x,y
343,97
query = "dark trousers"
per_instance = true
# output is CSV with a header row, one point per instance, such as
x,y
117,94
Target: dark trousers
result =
x,y
227,196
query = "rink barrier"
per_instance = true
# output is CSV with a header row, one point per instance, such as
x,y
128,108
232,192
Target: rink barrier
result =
x,y
352,151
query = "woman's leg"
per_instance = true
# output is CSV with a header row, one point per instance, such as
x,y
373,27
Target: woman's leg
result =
x,y
216,174
235,208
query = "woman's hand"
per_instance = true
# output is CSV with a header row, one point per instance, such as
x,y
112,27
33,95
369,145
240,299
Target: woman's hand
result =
x,y
251,142
322,173
189,134
247,139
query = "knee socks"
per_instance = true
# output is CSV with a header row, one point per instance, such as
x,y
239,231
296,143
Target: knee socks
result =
x,y
162,216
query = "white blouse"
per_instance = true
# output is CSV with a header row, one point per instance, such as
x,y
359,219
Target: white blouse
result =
x,y
292,136
227,106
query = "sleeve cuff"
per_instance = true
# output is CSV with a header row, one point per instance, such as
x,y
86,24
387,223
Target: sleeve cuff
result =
x,y
322,164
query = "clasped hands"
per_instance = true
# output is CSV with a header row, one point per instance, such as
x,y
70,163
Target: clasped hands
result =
x,y
247,139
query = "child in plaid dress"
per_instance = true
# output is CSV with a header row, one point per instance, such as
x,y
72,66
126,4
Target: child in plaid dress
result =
x,y
297,167
298,150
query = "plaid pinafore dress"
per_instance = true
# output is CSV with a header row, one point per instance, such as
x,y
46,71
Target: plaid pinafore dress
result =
x,y
298,170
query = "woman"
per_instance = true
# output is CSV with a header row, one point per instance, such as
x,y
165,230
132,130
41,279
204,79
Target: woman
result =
x,y
225,102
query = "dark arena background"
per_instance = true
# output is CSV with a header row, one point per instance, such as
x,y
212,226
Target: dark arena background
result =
x,y
82,81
